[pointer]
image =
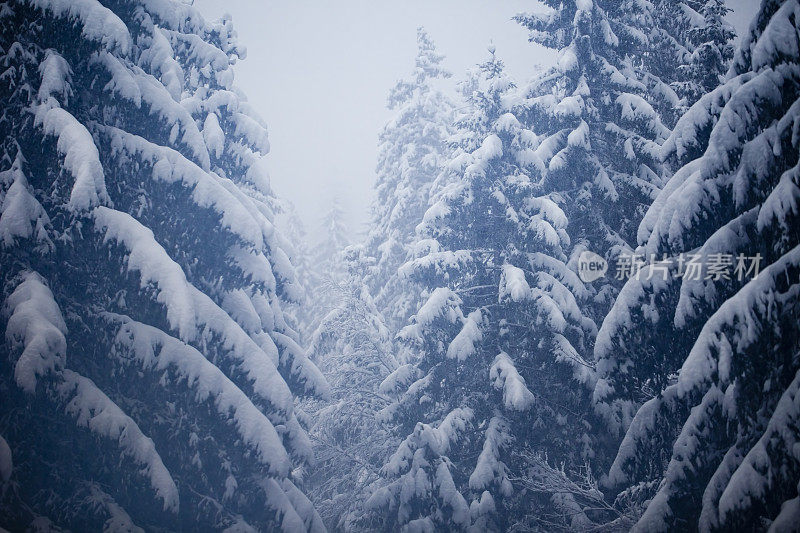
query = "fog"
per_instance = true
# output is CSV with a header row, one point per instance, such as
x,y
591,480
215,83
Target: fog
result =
x,y
319,72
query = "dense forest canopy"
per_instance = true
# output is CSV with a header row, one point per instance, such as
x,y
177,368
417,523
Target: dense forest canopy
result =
x,y
575,307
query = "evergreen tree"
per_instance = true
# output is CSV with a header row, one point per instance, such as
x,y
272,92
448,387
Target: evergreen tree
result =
x,y
599,159
351,346
709,360
334,238
690,49
493,353
711,44
302,311
148,374
412,150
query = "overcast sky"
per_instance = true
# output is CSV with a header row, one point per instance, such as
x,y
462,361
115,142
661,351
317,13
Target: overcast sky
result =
x,y
319,71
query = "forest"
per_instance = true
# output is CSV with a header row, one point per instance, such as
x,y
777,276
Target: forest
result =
x,y
576,306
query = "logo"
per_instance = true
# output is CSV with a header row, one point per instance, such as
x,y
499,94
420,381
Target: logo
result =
x,y
591,266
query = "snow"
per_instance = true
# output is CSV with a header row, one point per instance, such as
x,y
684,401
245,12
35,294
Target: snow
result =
x,y
122,82
420,525
681,468
450,496
238,304
701,116
94,410
200,53
567,60
81,157
133,83
35,325
98,23
635,108
237,212
579,137
74,142
784,200
252,131
542,262
182,17
779,38
239,526
213,135
160,57
491,148
619,319
436,439
21,214
190,311
569,106
439,262
399,380
119,520
582,370
305,509
605,184
301,368
787,519
56,77
513,284
504,376
6,461
155,350
277,499
697,295
733,329
549,210
692,192
76,139
638,438
508,122
744,313
550,146
442,303
762,469
609,37
420,470
490,469
463,345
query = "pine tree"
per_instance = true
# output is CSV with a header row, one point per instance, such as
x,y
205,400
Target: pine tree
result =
x,y
690,49
302,311
148,375
412,150
711,447
351,347
493,352
334,238
600,156
710,40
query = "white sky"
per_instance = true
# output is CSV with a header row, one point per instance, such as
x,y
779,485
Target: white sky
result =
x,y
319,71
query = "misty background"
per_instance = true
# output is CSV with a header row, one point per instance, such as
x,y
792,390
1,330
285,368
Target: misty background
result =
x,y
319,72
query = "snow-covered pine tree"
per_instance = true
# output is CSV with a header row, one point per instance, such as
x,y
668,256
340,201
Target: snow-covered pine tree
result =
x,y
328,269
333,238
690,49
711,44
412,150
351,347
714,447
147,375
301,312
599,159
495,349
